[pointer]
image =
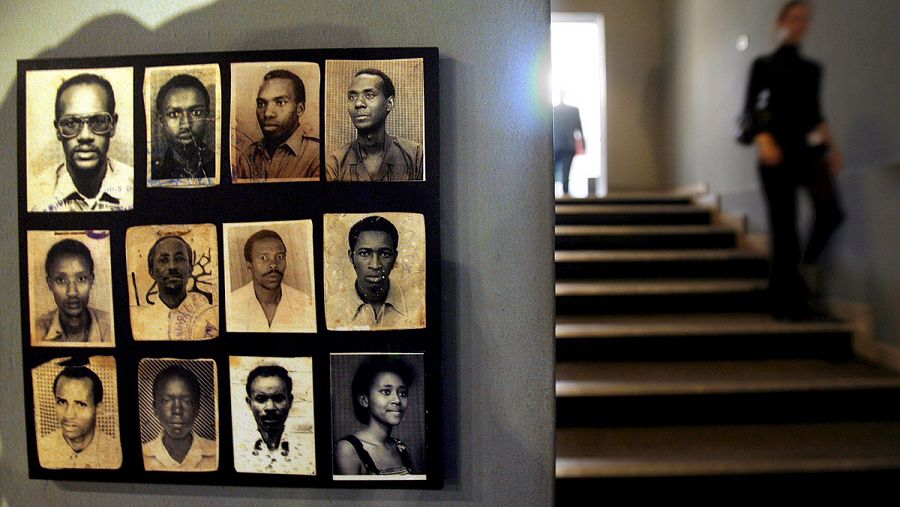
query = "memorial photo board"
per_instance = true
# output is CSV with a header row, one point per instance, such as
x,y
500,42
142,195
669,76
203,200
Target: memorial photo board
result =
x,y
230,268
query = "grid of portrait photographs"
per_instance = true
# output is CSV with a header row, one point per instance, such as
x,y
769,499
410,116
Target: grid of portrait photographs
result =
x,y
230,268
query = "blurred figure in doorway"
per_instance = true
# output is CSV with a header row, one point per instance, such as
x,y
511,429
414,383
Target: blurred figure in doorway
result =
x,y
568,140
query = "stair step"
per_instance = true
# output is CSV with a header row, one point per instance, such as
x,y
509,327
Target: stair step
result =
x,y
630,198
654,296
629,214
612,209
709,263
595,297
735,407
628,230
658,287
631,237
709,336
604,379
585,256
723,324
726,450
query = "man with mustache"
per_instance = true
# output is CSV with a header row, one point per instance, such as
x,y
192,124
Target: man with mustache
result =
x,y
171,262
269,397
176,403
182,107
78,443
267,304
285,153
374,155
85,123
70,277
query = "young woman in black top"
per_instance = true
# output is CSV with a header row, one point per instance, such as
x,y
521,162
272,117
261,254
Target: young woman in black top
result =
x,y
795,149
380,391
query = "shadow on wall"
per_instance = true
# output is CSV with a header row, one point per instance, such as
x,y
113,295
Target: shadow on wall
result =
x,y
200,31
861,262
653,122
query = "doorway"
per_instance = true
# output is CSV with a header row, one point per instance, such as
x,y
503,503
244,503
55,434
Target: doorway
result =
x,y
578,67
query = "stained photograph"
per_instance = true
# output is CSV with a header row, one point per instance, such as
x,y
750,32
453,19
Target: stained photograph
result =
x,y
79,139
378,416
374,271
374,120
173,281
178,411
183,106
70,289
269,283
76,413
275,122
272,415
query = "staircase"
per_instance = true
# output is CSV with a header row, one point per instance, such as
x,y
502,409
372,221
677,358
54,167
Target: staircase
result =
x,y
669,370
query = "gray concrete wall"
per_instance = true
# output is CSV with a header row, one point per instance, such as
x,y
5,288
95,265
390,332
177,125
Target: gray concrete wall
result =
x,y
496,191
635,83
859,45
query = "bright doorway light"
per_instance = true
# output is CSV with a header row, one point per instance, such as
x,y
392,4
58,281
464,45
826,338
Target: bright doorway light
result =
x,y
578,66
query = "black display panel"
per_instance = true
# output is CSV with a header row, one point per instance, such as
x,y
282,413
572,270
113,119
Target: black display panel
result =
x,y
160,236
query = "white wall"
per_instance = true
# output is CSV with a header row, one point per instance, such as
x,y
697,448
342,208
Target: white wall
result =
x,y
859,46
496,191
634,75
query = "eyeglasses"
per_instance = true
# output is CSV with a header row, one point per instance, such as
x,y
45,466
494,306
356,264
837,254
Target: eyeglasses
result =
x,y
70,126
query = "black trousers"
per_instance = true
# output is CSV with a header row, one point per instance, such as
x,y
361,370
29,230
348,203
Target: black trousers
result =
x,y
562,163
788,293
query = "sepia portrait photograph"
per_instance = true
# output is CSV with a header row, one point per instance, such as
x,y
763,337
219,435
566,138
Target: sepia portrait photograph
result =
x,y
76,417
70,289
177,404
269,282
374,269
272,415
183,108
173,281
79,139
275,132
375,120
378,416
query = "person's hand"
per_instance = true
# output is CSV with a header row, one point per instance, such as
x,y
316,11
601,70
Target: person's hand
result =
x,y
768,151
835,161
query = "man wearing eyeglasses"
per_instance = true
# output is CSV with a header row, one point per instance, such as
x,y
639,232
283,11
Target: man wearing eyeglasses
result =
x,y
85,123
267,304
